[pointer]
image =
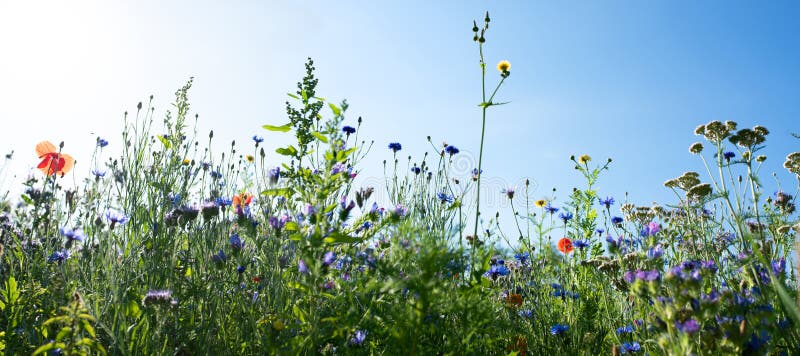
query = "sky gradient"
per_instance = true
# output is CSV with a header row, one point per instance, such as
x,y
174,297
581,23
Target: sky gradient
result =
x,y
628,80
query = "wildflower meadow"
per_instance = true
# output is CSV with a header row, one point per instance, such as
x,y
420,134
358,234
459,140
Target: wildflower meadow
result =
x,y
175,246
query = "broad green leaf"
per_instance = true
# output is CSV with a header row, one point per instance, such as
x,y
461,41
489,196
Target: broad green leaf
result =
x,y
299,313
283,192
320,136
336,110
338,238
27,199
304,95
164,141
291,226
283,128
287,151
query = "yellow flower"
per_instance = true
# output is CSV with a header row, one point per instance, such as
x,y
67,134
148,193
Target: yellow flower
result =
x,y
584,159
541,203
503,66
250,158
186,161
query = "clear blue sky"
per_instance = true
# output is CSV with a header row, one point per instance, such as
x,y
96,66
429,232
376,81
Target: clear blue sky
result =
x,y
623,79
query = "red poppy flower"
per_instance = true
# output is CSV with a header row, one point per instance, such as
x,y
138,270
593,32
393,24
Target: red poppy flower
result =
x,y
52,161
241,200
565,245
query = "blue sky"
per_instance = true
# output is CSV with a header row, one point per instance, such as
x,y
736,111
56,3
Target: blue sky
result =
x,y
623,79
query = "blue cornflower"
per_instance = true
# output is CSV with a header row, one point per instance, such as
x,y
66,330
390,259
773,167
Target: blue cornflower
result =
x,y
98,173
451,150
258,139
101,142
728,155
236,242
223,201
395,146
58,256
550,209
580,243
608,201
565,216
400,210
72,235
627,329
349,130
116,217
416,170
219,257
600,231
630,347
240,269
522,257
274,174
526,313
559,329
616,220
497,270
444,198
358,337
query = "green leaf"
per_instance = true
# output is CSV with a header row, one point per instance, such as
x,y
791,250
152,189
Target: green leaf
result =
x,y
293,96
342,155
320,136
281,192
304,95
283,128
89,328
164,141
291,226
336,110
338,238
299,313
287,151
27,199
48,347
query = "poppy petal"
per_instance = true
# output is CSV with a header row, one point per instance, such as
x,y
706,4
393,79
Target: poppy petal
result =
x,y
44,147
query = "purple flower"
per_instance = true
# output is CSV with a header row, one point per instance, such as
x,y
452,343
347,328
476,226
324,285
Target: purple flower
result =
x,y
655,252
652,275
779,266
274,174
349,130
309,210
163,296
219,257
101,142
400,210
302,267
328,259
690,326
394,146
98,173
337,168
358,337
616,220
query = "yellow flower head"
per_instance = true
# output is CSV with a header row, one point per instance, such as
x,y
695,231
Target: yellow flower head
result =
x,y
541,203
503,66
584,159
250,158
186,161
